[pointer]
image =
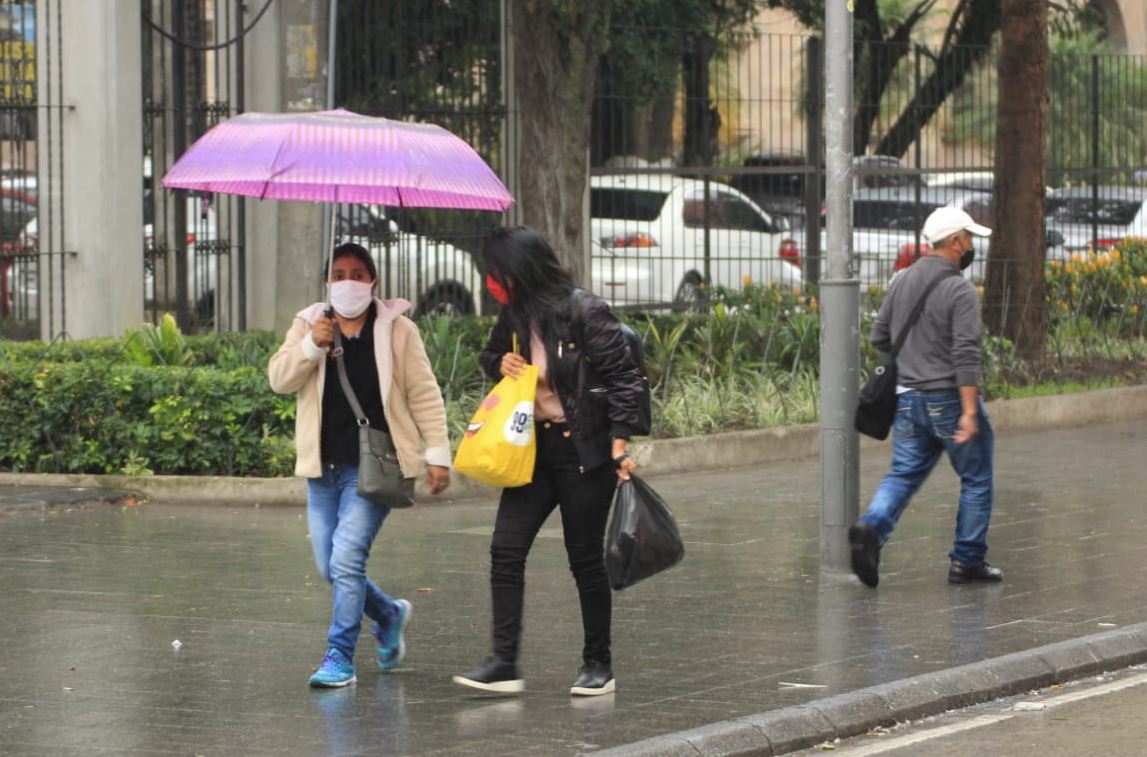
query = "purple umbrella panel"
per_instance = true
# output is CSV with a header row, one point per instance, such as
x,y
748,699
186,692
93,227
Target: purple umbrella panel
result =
x,y
339,157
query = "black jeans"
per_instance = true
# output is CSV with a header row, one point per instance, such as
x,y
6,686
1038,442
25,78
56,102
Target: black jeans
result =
x,y
584,500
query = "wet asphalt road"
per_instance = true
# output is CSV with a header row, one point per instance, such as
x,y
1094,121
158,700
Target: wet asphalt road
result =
x,y
92,598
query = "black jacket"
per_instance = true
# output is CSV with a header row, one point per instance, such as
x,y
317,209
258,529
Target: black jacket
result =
x,y
601,402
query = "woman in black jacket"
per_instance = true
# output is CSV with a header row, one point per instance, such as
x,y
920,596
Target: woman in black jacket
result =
x,y
587,404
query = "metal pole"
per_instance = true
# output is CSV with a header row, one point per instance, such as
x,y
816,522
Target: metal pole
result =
x,y
329,231
178,146
812,195
241,219
840,304
1094,153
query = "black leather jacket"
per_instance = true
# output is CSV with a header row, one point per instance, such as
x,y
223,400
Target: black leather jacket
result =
x,y
600,403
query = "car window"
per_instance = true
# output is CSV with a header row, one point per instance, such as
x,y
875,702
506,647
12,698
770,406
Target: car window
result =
x,y
1117,212
890,214
626,204
738,214
14,214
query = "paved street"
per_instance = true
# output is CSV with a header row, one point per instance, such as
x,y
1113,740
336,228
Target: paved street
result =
x,y
93,597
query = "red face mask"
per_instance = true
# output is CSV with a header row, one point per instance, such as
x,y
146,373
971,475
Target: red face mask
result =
x,y
497,291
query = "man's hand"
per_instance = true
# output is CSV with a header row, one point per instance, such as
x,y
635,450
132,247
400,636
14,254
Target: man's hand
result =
x,y
437,478
967,427
513,365
323,332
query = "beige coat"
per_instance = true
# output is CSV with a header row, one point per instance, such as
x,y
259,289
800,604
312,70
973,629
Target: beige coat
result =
x,y
411,399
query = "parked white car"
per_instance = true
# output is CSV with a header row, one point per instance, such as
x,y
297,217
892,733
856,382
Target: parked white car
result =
x,y
1120,213
652,248
886,223
436,276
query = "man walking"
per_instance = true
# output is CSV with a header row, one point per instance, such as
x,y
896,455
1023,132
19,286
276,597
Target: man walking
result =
x,y
939,408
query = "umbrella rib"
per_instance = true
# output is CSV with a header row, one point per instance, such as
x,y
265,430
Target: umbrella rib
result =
x,y
275,173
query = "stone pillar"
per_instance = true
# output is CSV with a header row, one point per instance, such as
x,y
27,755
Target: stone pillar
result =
x,y
303,72
263,51
93,183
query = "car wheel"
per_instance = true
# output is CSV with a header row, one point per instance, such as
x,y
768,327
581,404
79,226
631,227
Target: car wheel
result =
x,y
446,300
690,295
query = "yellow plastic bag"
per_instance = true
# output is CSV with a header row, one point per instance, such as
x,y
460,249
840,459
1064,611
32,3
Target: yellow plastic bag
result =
x,y
499,446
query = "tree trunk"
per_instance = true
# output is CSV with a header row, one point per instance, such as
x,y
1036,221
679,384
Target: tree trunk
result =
x,y
557,46
702,122
1014,306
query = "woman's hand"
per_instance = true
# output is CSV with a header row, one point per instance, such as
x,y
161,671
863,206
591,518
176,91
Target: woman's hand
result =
x,y
323,332
621,459
513,365
437,478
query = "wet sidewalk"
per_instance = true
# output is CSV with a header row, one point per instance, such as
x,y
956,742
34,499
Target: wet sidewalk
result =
x,y
92,599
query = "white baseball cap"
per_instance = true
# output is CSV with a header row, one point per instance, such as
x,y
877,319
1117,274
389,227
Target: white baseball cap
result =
x,y
948,220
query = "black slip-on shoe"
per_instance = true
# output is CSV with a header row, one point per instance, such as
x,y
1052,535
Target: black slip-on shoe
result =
x,y
865,553
495,676
594,679
962,573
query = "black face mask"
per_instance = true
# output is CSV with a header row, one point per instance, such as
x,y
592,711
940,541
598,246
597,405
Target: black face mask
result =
x,y
967,257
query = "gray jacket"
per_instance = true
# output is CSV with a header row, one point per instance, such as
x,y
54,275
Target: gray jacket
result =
x,y
943,349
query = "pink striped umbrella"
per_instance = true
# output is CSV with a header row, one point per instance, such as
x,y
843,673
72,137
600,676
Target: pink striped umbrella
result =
x,y
339,156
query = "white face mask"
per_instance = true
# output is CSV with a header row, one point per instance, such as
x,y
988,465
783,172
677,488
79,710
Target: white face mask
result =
x,y
350,299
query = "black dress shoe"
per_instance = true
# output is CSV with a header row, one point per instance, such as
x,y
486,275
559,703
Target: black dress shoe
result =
x,y
962,573
495,676
593,680
865,544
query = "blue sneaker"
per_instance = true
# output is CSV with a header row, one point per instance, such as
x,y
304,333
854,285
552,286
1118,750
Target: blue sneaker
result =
x,y
335,671
392,641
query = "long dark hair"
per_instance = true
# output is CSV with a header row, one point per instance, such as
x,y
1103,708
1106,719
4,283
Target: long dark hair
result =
x,y
523,263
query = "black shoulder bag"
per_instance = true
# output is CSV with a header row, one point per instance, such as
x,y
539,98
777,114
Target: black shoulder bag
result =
x,y
876,409
380,478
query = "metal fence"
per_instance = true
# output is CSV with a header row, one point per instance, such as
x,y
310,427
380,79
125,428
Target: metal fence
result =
x,y
192,243
722,184
706,158
444,66
33,263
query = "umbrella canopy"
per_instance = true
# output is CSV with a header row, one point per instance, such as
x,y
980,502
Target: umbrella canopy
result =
x,y
339,156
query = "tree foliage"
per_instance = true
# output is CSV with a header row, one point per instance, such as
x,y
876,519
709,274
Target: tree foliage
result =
x,y
1079,61
658,49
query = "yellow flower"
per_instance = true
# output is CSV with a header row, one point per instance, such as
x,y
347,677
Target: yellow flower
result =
x,y
1143,280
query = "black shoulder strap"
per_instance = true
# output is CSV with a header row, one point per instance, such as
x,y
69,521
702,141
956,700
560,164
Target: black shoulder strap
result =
x,y
917,310
347,390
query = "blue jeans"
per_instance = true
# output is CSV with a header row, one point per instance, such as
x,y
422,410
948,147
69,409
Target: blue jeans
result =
x,y
924,427
343,526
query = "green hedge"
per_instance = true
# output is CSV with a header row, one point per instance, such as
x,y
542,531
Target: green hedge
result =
x,y
97,416
156,401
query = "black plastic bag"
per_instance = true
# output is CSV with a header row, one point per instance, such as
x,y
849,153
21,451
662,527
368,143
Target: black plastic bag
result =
x,y
643,537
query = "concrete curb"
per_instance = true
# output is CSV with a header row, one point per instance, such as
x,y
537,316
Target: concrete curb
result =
x,y
854,713
661,456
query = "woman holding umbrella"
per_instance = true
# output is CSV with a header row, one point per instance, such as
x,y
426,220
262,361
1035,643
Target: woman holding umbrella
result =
x,y
389,372
582,430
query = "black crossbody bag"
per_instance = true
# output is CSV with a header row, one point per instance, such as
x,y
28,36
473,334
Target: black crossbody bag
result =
x,y
380,478
876,409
